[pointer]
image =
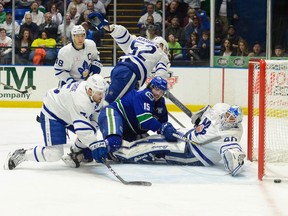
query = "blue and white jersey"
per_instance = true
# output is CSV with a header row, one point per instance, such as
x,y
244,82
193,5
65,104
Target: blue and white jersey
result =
x,y
141,112
143,54
210,127
72,106
74,65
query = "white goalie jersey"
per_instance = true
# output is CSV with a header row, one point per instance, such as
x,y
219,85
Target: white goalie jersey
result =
x,y
145,54
74,65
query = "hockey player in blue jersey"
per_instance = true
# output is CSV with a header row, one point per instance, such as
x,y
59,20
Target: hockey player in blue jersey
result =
x,y
142,56
136,113
77,60
216,137
75,107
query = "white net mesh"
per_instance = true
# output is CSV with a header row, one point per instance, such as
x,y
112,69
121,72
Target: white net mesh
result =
x,y
276,115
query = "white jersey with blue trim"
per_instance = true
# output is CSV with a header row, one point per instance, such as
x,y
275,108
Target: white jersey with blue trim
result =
x,y
71,105
144,53
210,128
72,64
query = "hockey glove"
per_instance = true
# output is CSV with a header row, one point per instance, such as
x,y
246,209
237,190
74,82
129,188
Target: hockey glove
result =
x,y
167,131
196,117
99,150
95,67
97,20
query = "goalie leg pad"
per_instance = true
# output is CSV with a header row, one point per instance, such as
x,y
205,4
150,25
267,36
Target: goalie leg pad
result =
x,y
233,161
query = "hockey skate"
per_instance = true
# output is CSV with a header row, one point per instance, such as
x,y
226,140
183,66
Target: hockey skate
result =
x,y
74,158
234,161
14,159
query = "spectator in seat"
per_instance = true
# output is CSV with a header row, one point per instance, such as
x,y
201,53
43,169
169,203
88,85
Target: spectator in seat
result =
x,y
191,45
59,3
2,13
173,9
99,7
174,47
5,47
227,49
257,50
219,34
194,26
279,52
149,22
150,11
204,45
226,11
189,18
43,50
7,24
23,47
242,49
65,39
37,15
50,27
56,15
74,14
81,7
176,30
233,37
28,24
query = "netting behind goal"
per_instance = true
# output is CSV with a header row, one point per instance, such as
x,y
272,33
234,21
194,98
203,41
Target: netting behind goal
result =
x,y
268,117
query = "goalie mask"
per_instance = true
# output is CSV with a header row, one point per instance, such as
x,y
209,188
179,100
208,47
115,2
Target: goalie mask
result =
x,y
161,41
232,117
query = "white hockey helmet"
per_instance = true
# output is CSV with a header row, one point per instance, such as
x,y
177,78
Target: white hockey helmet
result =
x,y
96,83
78,29
160,40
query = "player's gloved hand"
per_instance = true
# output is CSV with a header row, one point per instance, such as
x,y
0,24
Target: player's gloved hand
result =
x,y
95,67
99,150
97,20
167,130
196,117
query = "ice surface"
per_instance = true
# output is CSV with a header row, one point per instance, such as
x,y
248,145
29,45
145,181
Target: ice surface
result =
x,y
46,189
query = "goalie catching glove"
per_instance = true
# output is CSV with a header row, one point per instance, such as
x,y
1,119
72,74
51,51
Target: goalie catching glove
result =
x,y
97,20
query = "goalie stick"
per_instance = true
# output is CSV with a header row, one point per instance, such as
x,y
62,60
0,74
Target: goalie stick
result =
x,y
193,142
28,90
140,183
178,103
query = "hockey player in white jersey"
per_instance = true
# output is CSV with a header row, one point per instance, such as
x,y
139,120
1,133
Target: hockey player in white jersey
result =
x,y
142,56
77,60
74,107
215,138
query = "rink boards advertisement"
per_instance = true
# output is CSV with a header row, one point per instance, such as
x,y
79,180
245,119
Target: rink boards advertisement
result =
x,y
194,87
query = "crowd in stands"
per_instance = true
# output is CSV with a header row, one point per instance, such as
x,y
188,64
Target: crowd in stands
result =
x,y
41,31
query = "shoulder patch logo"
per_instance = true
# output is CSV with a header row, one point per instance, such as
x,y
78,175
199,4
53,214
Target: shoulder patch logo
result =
x,y
149,95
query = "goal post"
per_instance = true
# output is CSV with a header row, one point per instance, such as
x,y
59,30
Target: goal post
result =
x,y
267,135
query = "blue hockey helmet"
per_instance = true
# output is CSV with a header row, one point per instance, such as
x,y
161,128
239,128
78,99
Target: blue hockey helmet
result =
x,y
159,82
232,117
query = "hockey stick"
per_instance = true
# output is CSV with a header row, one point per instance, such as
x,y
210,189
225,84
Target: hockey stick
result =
x,y
28,90
178,103
140,183
176,120
193,142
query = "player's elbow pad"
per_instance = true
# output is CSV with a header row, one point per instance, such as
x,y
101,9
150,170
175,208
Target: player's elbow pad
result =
x,y
95,67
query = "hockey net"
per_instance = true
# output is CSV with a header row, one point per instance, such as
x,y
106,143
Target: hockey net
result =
x,y
268,117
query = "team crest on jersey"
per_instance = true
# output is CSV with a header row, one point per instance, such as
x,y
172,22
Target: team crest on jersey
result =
x,y
159,110
149,95
202,128
84,70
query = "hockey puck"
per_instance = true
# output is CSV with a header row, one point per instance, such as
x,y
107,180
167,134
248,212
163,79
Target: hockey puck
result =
x,y
277,180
